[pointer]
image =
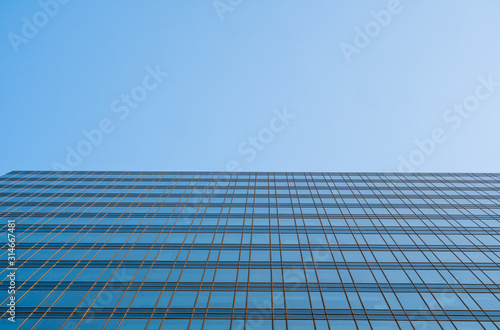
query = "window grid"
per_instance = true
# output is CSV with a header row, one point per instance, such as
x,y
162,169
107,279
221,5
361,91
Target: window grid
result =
x,y
72,269
407,249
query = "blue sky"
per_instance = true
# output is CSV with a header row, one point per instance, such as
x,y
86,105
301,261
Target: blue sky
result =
x,y
252,86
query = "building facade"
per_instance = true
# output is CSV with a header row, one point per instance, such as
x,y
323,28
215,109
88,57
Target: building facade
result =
x,y
179,250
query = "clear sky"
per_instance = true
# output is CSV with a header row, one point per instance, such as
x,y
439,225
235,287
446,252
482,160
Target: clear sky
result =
x,y
250,85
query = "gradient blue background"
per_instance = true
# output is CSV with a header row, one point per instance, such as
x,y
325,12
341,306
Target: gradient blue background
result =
x,y
227,76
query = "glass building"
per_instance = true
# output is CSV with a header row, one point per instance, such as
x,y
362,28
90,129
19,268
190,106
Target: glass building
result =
x,y
211,250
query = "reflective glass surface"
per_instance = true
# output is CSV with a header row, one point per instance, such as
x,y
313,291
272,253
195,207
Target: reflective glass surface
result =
x,y
212,250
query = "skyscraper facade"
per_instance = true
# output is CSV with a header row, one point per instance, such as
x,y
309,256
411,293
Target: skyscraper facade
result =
x,y
213,250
